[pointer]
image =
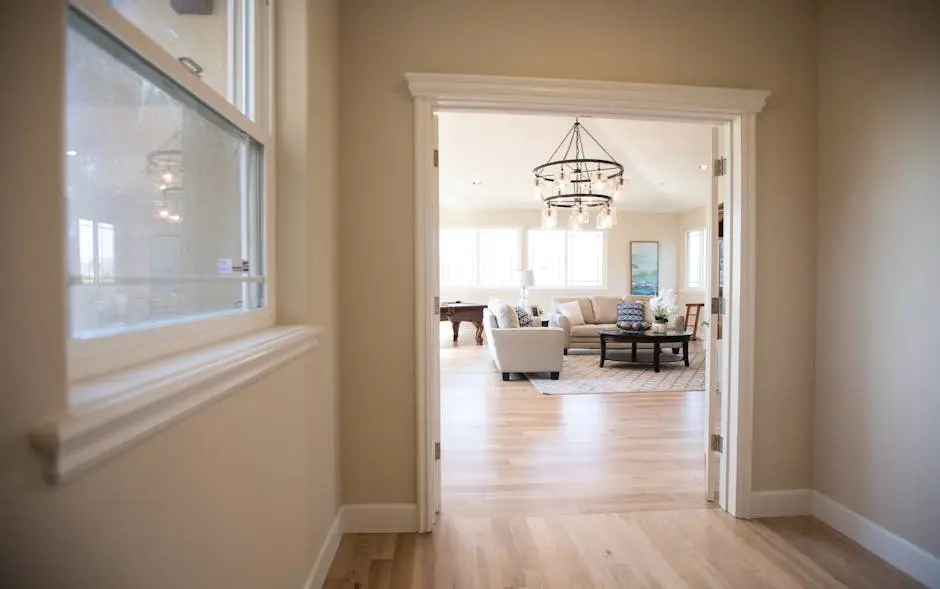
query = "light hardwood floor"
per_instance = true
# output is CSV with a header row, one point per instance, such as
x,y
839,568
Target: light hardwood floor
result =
x,y
588,491
507,450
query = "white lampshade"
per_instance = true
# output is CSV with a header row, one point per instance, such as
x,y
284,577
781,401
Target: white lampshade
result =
x,y
526,277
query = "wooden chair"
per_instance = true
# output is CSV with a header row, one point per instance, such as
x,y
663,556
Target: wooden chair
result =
x,y
693,309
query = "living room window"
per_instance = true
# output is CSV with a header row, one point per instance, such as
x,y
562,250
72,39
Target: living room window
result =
x,y
479,257
162,151
95,252
695,259
567,259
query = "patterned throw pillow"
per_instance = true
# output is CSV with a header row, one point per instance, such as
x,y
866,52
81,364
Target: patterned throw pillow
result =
x,y
630,312
630,316
525,319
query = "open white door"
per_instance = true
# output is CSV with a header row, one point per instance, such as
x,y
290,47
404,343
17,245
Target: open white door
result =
x,y
716,333
433,339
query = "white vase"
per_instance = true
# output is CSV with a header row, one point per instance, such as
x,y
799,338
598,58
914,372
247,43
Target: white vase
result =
x,y
659,326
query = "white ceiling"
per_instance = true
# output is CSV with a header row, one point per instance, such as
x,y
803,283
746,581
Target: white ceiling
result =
x,y
661,160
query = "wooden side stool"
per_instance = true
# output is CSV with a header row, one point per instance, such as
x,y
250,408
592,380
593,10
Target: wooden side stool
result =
x,y
697,307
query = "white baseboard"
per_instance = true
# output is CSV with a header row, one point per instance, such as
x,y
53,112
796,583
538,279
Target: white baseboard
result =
x,y
784,503
321,565
363,518
379,518
912,559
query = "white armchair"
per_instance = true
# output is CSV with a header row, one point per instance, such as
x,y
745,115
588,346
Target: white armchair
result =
x,y
524,349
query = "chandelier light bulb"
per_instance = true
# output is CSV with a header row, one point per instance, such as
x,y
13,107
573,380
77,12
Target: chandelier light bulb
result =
x,y
582,216
618,190
168,176
562,180
574,222
537,189
600,183
612,216
549,218
164,213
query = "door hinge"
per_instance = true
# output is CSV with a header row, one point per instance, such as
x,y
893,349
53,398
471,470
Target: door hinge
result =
x,y
437,450
718,443
436,157
436,305
720,166
718,306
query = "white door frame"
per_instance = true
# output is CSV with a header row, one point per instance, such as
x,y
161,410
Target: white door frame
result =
x,y
471,93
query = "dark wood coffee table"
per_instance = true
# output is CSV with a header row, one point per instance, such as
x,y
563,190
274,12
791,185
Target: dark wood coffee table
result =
x,y
677,338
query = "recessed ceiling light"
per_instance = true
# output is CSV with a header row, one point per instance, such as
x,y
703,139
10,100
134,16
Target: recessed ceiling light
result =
x,y
477,182
703,166
71,153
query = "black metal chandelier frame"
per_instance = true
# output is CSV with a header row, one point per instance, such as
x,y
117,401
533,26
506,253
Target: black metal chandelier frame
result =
x,y
581,172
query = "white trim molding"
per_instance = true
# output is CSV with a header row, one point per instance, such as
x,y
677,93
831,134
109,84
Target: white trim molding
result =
x,y
361,518
380,518
582,96
785,503
321,566
719,106
112,413
903,554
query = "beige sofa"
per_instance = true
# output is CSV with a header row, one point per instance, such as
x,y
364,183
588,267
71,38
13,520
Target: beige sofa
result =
x,y
600,313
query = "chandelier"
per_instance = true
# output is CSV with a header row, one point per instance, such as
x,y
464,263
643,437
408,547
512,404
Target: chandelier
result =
x,y
571,180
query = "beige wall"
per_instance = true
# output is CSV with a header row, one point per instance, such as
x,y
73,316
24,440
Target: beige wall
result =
x,y
242,493
631,226
738,43
877,395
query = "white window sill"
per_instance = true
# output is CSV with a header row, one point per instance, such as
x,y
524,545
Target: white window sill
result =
x,y
109,414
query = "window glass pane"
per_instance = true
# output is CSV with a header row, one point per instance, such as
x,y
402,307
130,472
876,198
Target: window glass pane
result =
x,y
105,257
695,257
585,258
86,250
165,191
498,257
547,257
197,30
457,256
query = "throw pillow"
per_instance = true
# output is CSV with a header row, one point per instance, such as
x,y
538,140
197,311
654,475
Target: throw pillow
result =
x,y
505,315
572,311
630,312
525,320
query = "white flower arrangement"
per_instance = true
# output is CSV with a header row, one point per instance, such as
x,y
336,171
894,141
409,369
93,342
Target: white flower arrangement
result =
x,y
663,305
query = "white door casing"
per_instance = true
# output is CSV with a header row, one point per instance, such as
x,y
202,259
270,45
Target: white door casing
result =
x,y
734,109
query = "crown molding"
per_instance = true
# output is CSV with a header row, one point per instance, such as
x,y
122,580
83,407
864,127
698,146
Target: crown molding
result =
x,y
528,94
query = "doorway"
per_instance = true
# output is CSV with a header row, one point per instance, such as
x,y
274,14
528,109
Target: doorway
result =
x,y
615,437
734,111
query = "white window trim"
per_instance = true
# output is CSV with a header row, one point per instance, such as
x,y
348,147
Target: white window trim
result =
x,y
685,263
567,287
115,412
92,358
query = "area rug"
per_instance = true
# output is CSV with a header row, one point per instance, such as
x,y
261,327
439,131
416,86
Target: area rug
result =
x,y
581,374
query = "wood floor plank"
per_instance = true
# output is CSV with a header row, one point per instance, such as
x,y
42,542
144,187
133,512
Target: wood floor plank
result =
x,y
593,491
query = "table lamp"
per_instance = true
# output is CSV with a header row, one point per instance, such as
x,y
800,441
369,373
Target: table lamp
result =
x,y
526,279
